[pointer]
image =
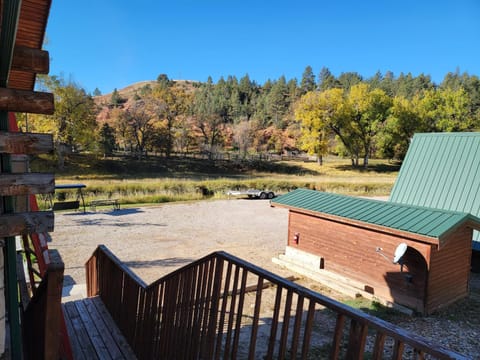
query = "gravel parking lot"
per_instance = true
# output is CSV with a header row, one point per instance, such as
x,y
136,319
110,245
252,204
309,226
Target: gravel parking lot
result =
x,y
153,241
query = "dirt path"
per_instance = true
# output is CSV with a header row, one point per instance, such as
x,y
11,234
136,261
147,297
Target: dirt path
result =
x,y
153,241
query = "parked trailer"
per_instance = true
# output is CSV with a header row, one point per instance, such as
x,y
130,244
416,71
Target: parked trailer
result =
x,y
252,193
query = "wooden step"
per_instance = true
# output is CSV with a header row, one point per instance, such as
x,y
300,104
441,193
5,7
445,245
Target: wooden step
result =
x,y
93,333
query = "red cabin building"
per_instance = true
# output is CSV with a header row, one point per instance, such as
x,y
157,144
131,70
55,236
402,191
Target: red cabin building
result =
x,y
357,238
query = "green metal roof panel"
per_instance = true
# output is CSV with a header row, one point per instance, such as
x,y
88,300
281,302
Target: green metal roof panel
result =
x,y
410,218
442,170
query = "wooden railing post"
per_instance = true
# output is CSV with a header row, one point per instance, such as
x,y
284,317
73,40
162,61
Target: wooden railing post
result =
x,y
53,310
91,270
43,316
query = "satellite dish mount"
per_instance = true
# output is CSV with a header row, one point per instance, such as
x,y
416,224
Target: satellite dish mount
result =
x,y
398,255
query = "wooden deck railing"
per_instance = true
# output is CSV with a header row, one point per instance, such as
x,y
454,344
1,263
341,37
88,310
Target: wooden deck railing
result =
x,y
222,307
42,317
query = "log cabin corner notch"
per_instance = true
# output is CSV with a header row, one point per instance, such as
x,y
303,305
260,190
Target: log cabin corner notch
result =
x,y
345,234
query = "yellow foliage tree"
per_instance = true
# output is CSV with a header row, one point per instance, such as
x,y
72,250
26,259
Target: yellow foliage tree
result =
x,y
320,114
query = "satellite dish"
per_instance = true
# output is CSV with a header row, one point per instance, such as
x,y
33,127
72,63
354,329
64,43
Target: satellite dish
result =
x,y
399,252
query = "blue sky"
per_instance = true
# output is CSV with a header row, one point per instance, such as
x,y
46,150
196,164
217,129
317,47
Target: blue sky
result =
x,y
113,43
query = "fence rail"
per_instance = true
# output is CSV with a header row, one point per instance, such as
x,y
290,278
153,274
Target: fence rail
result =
x,y
222,307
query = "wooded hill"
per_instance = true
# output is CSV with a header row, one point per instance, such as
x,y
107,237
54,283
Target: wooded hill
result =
x,y
348,115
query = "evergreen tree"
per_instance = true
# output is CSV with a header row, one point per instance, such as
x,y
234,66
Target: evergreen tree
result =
x,y
115,99
348,79
277,102
107,140
164,81
308,81
388,84
326,80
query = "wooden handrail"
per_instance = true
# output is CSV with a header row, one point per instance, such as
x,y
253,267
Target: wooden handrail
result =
x,y
199,311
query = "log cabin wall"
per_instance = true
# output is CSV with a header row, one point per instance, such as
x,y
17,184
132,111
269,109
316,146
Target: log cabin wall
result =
x,y
450,270
22,30
351,251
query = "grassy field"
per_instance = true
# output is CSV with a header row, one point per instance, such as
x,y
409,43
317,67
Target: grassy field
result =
x,y
157,180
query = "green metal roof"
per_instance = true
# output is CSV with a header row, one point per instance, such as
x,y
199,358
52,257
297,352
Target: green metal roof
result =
x,y
442,170
418,220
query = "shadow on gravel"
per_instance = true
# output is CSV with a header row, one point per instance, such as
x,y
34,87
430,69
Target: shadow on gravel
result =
x,y
122,212
103,222
119,212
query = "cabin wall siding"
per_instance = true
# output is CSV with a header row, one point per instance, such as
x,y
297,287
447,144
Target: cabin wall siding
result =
x,y
351,251
450,270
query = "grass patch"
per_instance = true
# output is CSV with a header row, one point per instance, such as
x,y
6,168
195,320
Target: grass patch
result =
x,y
373,308
158,180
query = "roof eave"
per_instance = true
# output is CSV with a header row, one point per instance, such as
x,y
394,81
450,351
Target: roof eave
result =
x,y
9,23
383,229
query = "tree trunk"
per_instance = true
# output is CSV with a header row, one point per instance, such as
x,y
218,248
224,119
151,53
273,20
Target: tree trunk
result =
x,y
365,161
320,159
61,159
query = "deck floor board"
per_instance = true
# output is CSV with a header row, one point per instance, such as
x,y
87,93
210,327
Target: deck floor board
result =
x,y
93,333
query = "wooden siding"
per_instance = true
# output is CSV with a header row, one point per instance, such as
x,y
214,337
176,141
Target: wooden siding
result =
x,y
450,270
35,102
26,223
25,143
26,184
351,251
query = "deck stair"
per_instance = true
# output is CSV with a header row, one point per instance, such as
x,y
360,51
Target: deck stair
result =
x,y
92,331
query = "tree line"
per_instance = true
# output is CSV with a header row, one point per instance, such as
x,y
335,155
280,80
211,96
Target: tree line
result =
x,y
347,114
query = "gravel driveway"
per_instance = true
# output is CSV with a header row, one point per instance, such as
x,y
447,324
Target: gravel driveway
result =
x,y
154,241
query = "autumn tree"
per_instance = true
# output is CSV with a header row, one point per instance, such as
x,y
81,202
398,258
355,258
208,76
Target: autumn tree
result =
x,y
445,110
169,104
243,136
369,110
74,119
401,124
314,126
184,137
138,125
322,114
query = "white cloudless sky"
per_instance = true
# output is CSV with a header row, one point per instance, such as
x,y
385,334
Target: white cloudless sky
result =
x,y
108,44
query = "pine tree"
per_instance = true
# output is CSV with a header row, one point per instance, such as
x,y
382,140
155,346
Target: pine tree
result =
x,y
308,81
107,140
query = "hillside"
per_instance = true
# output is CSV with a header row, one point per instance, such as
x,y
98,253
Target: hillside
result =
x,y
129,91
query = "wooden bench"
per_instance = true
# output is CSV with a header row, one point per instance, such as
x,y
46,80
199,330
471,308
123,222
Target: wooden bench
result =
x,y
105,202
66,205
